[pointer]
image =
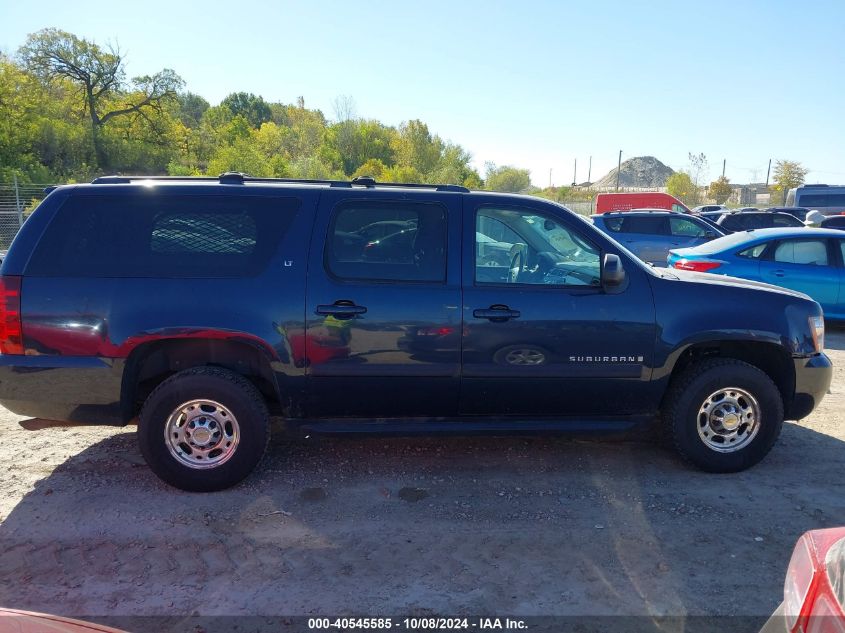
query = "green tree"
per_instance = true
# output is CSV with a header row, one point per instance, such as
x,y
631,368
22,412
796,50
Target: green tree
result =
x,y
100,73
682,187
720,189
507,179
787,175
372,167
253,108
191,107
416,147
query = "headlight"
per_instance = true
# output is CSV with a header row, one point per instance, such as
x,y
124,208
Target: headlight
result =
x,y
817,330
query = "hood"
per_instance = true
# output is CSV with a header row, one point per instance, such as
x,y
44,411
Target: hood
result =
x,y
723,280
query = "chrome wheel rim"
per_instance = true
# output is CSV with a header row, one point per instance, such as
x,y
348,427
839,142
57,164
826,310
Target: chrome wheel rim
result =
x,y
201,434
728,420
525,357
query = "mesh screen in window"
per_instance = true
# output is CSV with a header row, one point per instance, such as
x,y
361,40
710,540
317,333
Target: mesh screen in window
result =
x,y
180,232
391,241
161,234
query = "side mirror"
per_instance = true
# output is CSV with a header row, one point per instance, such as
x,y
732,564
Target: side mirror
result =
x,y
612,272
709,235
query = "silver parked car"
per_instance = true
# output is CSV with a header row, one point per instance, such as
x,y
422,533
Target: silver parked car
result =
x,y
651,233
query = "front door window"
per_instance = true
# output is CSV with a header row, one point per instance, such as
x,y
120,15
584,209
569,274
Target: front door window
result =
x,y
521,246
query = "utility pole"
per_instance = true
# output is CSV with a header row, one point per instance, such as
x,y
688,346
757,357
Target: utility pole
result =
x,y
550,177
724,161
768,171
575,174
618,168
590,171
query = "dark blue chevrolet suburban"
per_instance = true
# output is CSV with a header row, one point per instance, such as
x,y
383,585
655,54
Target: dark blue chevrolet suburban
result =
x,y
198,307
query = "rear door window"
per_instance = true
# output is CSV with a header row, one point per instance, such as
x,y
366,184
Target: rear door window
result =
x,y
647,225
388,241
784,219
163,235
684,227
808,252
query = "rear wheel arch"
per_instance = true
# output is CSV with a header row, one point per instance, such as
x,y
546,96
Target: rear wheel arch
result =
x,y
150,364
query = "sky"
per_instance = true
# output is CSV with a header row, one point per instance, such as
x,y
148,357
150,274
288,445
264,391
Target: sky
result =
x,y
533,84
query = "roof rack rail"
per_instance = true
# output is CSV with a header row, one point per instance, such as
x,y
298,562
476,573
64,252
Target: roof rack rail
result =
x,y
239,178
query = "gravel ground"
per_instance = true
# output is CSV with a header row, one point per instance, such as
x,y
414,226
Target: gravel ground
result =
x,y
374,526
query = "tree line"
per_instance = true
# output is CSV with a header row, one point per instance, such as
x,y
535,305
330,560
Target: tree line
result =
x,y
689,187
68,112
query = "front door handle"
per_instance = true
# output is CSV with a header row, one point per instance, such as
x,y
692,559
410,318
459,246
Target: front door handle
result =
x,y
779,273
341,310
496,313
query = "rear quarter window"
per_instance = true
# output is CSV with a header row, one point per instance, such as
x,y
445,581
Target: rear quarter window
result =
x,y
163,235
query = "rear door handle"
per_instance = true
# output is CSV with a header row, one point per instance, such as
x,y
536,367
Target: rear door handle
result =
x,y
496,313
341,310
779,273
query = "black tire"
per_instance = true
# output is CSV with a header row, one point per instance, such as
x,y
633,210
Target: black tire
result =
x,y
231,390
689,392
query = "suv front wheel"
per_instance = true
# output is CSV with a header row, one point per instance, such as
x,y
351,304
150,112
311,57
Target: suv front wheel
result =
x,y
204,429
723,414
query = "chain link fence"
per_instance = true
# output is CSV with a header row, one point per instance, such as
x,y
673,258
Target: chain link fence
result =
x,y
17,201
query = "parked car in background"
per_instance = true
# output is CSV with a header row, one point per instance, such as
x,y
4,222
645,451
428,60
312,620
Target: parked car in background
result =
x,y
640,200
709,208
813,590
739,221
808,260
829,199
798,212
651,233
834,222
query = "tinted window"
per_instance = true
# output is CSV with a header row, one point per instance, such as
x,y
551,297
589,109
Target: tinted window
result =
x,y
814,200
834,223
613,224
745,221
811,252
650,225
154,234
685,227
784,219
409,243
540,251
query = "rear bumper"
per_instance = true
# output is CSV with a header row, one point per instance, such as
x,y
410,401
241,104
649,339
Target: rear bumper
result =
x,y
812,382
76,389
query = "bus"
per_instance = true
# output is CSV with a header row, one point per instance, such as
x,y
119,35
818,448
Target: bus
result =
x,y
829,199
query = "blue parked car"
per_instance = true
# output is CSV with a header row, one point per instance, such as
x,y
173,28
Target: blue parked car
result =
x,y
651,233
808,260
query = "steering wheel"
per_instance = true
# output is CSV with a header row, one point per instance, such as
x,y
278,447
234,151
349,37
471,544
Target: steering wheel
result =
x,y
517,264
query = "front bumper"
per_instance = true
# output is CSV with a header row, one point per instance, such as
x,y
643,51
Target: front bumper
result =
x,y
80,389
812,381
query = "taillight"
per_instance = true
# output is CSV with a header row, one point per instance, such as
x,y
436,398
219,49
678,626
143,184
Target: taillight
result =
x,y
694,265
809,594
11,339
799,579
825,617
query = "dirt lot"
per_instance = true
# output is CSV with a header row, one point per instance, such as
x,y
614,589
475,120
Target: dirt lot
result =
x,y
379,526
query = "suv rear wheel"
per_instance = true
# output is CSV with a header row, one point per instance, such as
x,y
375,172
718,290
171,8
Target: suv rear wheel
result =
x,y
204,429
724,415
